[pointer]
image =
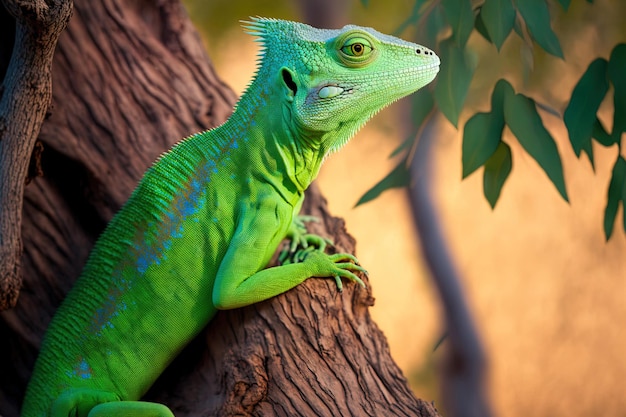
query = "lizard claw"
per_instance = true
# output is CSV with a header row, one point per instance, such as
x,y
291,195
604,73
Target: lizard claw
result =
x,y
337,266
301,241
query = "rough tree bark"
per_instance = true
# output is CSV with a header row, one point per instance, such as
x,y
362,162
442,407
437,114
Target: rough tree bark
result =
x,y
130,79
25,96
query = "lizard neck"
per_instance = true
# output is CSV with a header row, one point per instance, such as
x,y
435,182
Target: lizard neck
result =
x,y
272,146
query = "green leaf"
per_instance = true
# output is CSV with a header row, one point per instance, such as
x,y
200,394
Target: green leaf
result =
x,y
461,19
537,18
497,170
588,150
522,118
435,23
483,131
565,4
453,81
422,105
479,25
616,194
601,135
580,114
499,18
399,177
617,75
365,3
481,137
501,91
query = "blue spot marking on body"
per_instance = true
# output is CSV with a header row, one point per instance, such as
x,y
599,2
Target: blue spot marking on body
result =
x,y
82,370
184,207
109,310
151,248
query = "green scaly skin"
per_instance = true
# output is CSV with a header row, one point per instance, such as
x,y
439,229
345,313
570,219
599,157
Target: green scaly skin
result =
x,y
203,223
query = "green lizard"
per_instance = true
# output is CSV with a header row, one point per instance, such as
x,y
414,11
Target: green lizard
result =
x,y
203,223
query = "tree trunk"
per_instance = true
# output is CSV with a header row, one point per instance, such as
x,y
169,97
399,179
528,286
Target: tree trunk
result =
x,y
129,80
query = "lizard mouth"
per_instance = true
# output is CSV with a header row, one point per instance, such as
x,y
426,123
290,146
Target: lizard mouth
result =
x,y
433,65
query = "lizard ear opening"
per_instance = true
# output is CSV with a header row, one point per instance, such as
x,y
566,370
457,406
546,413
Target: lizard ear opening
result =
x,y
290,84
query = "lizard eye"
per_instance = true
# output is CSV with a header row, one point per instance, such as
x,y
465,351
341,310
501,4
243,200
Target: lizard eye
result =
x,y
355,49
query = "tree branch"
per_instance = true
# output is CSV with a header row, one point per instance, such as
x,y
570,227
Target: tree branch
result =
x,y
26,93
463,367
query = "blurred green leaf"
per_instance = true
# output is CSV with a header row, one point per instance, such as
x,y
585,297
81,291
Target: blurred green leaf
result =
x,y
588,150
397,178
616,194
461,18
415,15
422,105
565,4
600,134
522,118
617,75
537,18
365,3
453,81
499,18
479,25
435,23
519,26
481,137
497,170
501,91
406,143
580,114
527,48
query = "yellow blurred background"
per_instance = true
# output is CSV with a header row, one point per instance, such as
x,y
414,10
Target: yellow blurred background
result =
x,y
547,292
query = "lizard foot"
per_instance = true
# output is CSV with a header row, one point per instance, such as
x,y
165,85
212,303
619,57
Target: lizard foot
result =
x,y
337,266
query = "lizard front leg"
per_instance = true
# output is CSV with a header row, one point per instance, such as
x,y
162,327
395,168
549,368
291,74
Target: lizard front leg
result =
x,y
240,279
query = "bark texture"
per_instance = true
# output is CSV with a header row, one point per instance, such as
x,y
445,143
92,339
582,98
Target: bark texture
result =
x,y
25,95
131,78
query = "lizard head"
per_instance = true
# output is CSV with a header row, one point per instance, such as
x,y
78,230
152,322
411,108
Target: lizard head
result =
x,y
330,82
